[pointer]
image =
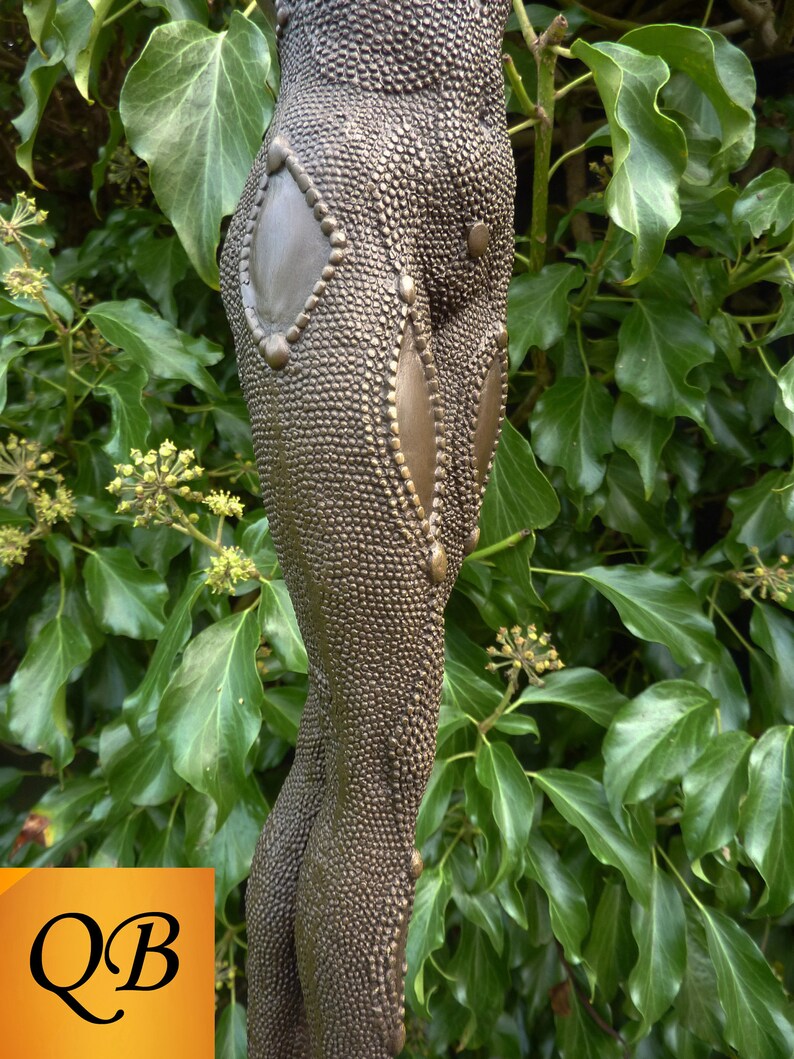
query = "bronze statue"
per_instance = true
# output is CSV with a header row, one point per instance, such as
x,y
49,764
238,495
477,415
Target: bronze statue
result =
x,y
365,276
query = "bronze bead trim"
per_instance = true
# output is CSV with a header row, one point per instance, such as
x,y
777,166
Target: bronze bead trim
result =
x,y
275,348
282,17
481,480
429,521
472,541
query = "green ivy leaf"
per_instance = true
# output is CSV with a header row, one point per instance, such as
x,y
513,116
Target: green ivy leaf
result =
x,y
283,710
231,1034
649,149
39,14
126,599
568,912
129,421
611,949
63,30
160,265
642,436
773,631
230,848
713,788
37,697
658,608
512,802
155,344
519,498
766,204
280,626
435,800
175,634
426,931
657,349
538,309
478,977
757,1020
724,77
768,817
136,765
659,929
211,712
759,514
81,70
585,690
195,107
583,803
697,1003
35,86
571,429
578,1037
483,910
655,738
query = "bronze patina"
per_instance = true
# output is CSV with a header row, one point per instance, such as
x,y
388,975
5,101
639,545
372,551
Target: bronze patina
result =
x,y
365,276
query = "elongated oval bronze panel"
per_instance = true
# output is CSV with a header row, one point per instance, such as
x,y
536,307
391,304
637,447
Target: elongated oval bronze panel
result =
x,y
288,254
415,417
489,412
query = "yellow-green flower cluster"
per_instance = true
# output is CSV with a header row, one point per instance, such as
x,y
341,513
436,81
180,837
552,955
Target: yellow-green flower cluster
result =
x,y
228,568
14,544
57,508
25,281
151,483
24,463
224,504
26,466
526,650
770,582
25,215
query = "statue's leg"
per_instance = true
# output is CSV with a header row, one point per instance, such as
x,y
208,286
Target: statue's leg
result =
x,y
276,1014
358,876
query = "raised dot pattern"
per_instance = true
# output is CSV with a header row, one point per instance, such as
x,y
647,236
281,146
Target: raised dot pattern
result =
x,y
390,121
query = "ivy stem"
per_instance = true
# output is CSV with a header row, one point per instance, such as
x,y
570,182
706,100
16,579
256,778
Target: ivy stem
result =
x,y
445,855
680,878
747,646
555,573
754,273
67,350
546,60
504,702
530,123
122,11
527,32
561,93
517,84
501,546
564,157
594,274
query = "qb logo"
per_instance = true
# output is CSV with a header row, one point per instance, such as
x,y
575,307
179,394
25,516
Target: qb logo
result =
x,y
95,955
86,970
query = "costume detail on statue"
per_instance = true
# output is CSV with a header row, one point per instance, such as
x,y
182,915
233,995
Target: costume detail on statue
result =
x,y
365,278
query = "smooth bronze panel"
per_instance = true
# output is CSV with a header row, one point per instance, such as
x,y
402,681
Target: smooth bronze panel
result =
x,y
288,254
415,418
489,413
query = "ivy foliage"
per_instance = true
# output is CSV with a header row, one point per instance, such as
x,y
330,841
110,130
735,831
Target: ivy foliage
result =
x,y
607,832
